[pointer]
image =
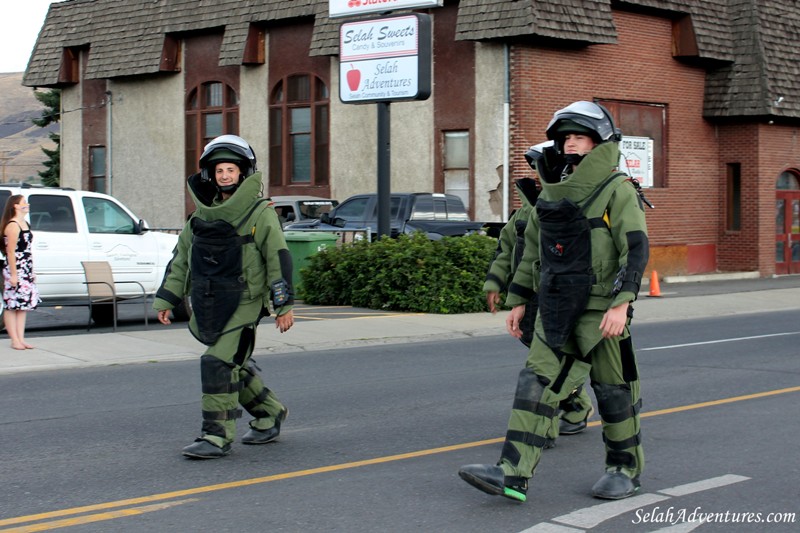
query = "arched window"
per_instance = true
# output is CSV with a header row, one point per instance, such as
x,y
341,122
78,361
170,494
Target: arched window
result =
x,y
212,109
787,181
298,131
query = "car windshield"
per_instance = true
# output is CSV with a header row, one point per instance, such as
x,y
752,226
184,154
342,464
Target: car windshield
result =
x,y
315,208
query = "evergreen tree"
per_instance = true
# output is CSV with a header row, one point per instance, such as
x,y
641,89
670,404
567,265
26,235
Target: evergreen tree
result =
x,y
51,114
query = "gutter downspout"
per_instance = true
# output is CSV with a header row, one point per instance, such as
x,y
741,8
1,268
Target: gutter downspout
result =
x,y
506,131
108,142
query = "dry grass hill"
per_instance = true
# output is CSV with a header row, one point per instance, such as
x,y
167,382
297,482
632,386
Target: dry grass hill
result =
x,y
21,141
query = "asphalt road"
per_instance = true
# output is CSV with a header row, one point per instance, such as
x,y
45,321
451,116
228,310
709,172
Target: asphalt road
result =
x,y
48,321
376,435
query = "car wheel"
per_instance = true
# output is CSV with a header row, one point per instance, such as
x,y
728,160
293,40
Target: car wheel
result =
x,y
103,314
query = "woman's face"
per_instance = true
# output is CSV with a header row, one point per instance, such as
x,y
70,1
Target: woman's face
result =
x,y
22,207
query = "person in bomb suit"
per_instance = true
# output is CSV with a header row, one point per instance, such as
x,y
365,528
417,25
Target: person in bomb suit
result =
x,y
576,409
586,248
232,259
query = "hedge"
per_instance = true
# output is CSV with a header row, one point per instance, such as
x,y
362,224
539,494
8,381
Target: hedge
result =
x,y
409,273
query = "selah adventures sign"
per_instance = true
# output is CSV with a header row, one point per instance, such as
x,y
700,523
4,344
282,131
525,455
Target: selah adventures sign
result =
x,y
352,8
385,59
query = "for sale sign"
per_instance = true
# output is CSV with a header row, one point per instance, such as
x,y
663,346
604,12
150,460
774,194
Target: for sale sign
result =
x,y
636,159
351,8
385,59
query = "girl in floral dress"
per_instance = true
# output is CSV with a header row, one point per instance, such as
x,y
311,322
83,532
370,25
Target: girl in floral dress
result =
x,y
20,293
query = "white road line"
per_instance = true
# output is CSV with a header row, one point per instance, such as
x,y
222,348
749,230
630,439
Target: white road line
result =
x,y
588,517
706,484
544,527
717,341
683,527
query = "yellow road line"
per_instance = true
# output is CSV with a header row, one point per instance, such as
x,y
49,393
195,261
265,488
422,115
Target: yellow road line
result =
x,y
80,520
330,468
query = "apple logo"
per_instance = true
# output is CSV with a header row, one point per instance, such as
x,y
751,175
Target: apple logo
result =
x,y
353,78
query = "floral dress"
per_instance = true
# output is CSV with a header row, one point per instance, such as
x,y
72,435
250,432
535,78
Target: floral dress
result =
x,y
25,296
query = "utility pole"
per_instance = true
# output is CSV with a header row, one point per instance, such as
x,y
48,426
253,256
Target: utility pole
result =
x,y
5,158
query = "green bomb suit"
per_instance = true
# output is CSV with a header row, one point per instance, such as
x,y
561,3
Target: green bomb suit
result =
x,y
228,376
510,248
619,255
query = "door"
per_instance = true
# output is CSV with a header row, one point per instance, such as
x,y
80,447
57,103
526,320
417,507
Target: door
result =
x,y
58,246
114,236
787,225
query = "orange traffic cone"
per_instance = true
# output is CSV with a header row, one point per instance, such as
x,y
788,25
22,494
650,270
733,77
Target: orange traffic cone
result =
x,y
655,289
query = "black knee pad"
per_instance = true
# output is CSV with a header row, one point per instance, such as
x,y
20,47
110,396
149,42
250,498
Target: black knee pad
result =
x,y
614,402
215,375
530,388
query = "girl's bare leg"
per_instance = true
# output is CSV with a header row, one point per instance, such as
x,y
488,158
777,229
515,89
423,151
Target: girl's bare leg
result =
x,y
22,317
10,318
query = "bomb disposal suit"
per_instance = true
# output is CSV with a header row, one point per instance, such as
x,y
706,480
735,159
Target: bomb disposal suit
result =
x,y
586,249
233,260
576,408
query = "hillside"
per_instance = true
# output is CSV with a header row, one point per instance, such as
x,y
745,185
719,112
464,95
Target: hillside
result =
x,y
21,141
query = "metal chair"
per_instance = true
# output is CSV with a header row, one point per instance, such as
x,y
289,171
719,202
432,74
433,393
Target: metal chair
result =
x,y
102,289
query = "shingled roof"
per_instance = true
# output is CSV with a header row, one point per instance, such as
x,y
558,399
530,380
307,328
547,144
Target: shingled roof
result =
x,y
766,66
748,45
578,20
126,37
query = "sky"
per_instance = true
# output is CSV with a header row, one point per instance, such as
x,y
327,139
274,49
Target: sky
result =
x,y
18,32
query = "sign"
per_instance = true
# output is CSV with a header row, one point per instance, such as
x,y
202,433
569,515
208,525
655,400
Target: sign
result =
x,y
351,8
385,59
636,159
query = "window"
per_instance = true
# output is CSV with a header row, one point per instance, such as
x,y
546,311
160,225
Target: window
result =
x,y
438,207
354,209
643,120
788,181
456,164
104,216
734,197
298,125
212,109
97,169
52,213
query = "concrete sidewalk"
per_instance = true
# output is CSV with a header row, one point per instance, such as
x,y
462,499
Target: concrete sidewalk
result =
x,y
173,344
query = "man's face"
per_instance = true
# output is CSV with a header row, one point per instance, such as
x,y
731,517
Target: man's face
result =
x,y
227,174
577,143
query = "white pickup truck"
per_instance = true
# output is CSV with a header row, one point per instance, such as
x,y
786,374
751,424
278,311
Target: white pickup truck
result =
x,y
71,226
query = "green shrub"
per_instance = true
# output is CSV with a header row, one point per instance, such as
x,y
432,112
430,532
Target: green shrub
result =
x,y
410,273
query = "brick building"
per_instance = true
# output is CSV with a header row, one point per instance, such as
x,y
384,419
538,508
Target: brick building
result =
x,y
711,87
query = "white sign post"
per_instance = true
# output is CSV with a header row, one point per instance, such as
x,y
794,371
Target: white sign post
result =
x,y
385,59
636,159
352,8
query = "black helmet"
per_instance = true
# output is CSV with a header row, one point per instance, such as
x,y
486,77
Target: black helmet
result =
x,y
584,117
227,149
536,152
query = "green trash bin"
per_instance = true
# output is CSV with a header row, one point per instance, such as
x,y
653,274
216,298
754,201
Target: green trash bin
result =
x,y
304,244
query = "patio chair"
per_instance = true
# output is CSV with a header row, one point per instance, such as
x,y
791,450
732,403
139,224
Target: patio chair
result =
x,y
102,289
